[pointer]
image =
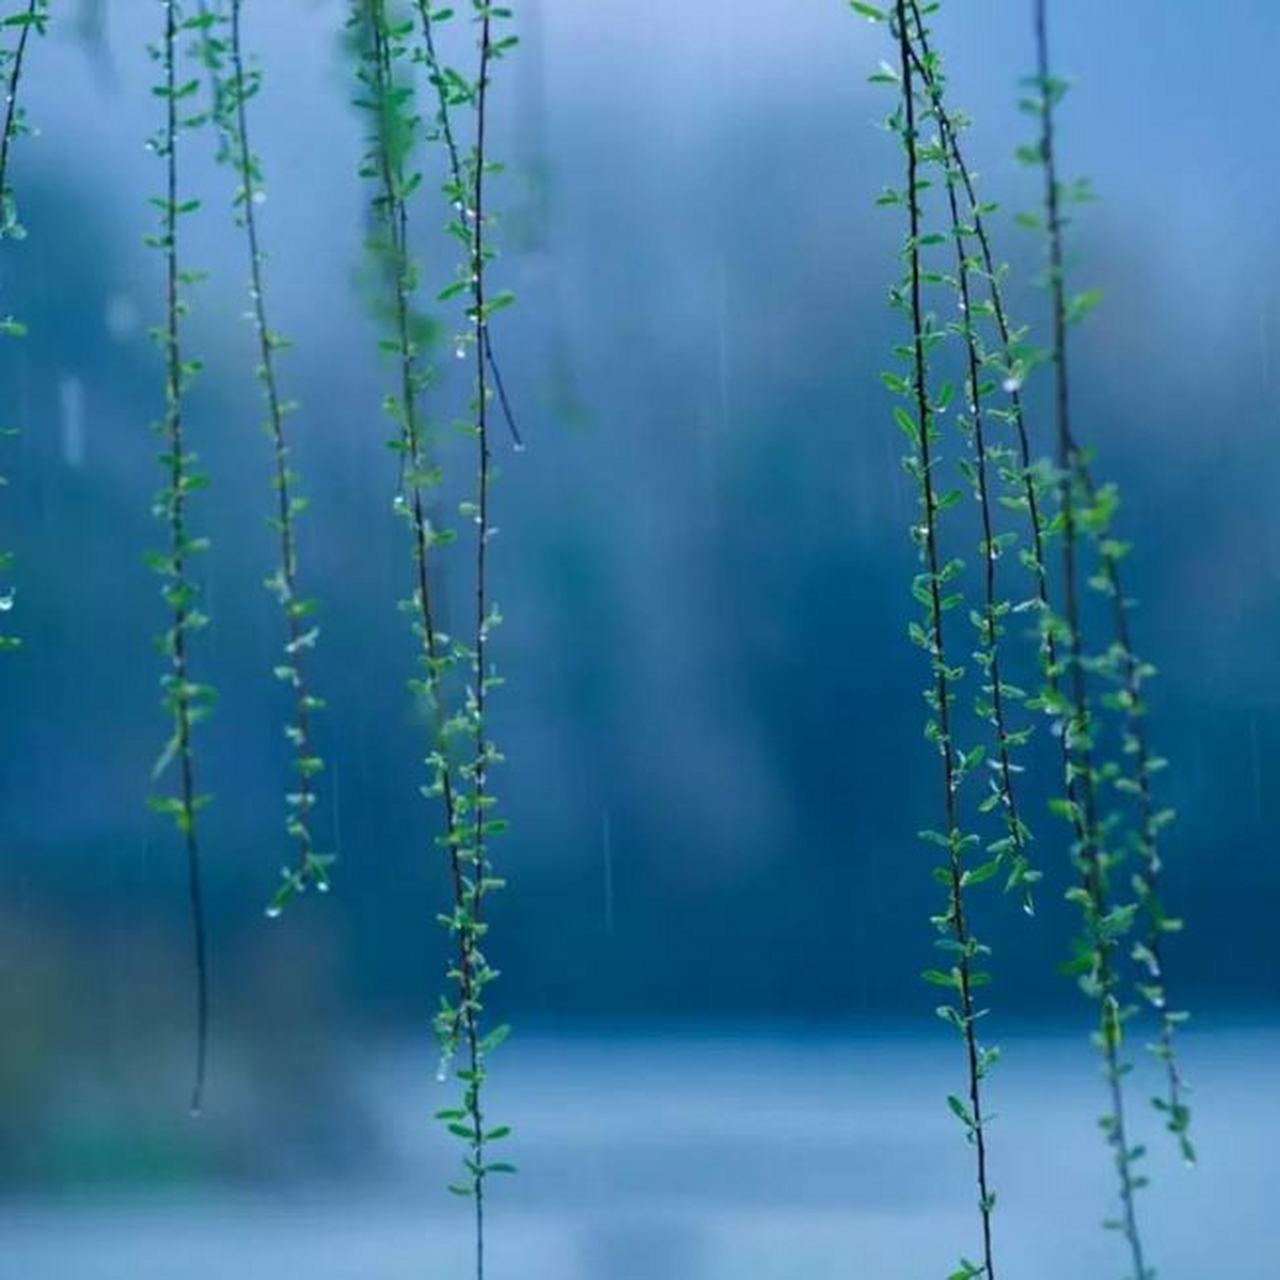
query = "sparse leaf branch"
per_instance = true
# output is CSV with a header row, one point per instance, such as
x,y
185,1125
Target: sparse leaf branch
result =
x,y
1011,359
453,90
1031,484
934,592
1104,926
233,87
1132,674
389,104
464,795
1015,358
186,701
476,849
477,823
1011,850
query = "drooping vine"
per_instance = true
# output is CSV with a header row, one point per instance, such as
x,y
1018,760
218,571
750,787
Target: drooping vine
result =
x,y
1137,780
1104,923
386,165
457,676
234,86
453,90
187,701
936,590
997,696
465,185
462,752
34,18
1010,361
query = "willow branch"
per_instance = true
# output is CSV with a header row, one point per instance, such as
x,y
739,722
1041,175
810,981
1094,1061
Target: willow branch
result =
x,y
951,774
1092,856
444,120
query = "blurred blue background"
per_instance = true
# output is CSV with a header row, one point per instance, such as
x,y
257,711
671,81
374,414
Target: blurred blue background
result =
x,y
724,1063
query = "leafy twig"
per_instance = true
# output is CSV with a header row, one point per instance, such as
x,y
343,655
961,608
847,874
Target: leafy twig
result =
x,y
1013,847
186,701
1103,924
233,88
932,590
453,90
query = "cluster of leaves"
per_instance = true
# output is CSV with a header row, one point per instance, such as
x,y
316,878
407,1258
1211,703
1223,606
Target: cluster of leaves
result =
x,y
1058,501
35,17
234,85
186,701
456,675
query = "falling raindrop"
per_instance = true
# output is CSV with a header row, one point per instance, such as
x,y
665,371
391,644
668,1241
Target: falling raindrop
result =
x,y
71,418
121,316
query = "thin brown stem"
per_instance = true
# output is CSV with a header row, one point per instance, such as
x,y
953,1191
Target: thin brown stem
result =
x,y
444,118
181,592
1091,853
396,218
464,1016
479,797
283,476
942,691
991,627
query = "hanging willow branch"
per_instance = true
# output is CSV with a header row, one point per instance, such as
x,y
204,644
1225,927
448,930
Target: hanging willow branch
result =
x,y
477,825
234,86
1104,924
993,704
460,784
1029,484
34,18
186,701
453,90
935,590
1010,362
1132,674
386,164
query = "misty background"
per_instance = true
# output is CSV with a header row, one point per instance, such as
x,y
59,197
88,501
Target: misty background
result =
x,y
718,906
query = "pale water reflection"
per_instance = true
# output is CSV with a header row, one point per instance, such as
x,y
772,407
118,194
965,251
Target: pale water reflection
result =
x,y
728,1158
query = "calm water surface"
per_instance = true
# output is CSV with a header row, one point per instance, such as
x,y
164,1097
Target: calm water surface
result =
x,y
733,1158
